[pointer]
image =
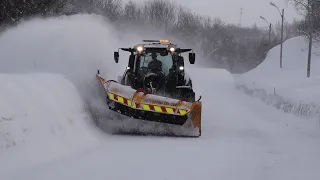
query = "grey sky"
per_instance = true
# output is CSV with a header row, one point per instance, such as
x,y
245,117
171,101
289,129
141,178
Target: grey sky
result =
x,y
229,10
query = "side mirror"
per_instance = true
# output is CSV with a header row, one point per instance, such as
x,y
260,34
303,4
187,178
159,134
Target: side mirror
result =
x,y
192,58
116,57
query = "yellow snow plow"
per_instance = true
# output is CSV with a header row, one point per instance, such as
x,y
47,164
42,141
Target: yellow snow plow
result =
x,y
164,97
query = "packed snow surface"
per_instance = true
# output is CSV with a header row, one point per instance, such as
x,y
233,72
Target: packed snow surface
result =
x,y
55,139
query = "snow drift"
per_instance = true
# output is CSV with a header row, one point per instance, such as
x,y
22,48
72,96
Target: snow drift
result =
x,y
287,89
294,71
42,117
38,107
72,48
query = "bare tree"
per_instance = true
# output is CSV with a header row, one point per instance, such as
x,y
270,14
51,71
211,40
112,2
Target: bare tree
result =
x,y
160,13
111,8
212,33
132,12
188,24
310,9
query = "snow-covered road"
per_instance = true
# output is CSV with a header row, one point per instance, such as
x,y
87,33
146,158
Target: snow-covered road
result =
x,y
50,137
242,139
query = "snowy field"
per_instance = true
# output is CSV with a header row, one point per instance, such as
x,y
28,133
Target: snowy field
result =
x,y
47,76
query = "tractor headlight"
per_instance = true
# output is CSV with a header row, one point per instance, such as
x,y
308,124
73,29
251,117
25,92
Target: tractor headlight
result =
x,y
172,49
140,48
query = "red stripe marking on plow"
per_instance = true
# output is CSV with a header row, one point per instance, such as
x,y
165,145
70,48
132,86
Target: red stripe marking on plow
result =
x,y
125,101
163,109
116,97
151,107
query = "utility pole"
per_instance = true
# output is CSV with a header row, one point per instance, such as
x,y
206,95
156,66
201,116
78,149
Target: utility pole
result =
x,y
270,28
282,21
310,18
281,47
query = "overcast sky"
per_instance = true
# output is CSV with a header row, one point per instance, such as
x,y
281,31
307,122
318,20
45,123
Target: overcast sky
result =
x,y
229,10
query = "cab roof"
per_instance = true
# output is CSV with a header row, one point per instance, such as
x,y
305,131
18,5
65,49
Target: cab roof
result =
x,y
156,44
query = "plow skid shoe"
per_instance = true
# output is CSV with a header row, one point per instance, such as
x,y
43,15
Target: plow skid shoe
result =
x,y
139,112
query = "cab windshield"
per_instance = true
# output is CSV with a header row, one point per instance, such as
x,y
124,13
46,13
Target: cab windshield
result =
x,y
167,62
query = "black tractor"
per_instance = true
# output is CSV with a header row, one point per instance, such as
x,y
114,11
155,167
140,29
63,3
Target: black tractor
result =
x,y
157,67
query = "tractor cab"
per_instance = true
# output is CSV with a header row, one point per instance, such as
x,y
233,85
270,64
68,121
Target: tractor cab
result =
x,y
157,67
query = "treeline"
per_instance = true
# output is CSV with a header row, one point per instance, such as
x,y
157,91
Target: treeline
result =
x,y
235,48
310,10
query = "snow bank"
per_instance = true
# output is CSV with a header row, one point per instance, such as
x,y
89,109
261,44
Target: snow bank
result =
x,y
287,89
72,46
41,117
293,76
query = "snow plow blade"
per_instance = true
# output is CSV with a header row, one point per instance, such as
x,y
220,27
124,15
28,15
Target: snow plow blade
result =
x,y
169,116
